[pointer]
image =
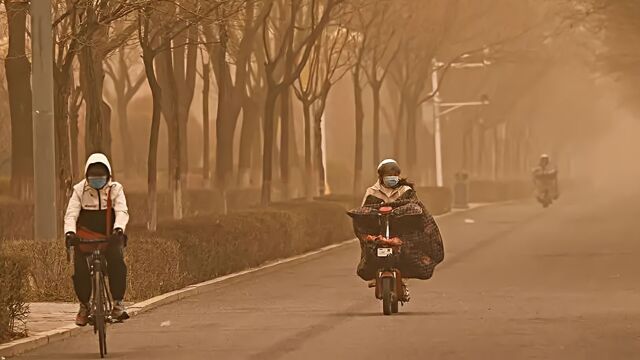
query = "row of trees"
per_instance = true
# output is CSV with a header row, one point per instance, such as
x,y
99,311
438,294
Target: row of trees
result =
x,y
261,56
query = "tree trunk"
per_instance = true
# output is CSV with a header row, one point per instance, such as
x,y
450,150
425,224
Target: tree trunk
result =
x,y
97,133
411,141
250,126
131,162
359,117
267,153
285,98
152,160
308,164
62,148
170,111
75,101
256,154
74,134
375,88
206,149
319,151
184,68
18,72
225,129
400,127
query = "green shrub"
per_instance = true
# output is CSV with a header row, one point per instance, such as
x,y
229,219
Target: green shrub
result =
x,y
13,297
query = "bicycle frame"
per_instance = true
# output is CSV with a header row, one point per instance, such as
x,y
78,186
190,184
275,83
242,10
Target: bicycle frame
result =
x,y
101,302
97,268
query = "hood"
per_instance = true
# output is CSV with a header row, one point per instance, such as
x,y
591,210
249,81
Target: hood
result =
x,y
98,158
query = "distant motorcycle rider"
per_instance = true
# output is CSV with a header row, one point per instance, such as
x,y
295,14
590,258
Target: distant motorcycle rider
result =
x,y
545,179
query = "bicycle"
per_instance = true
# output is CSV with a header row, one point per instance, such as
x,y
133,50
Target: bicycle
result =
x,y
101,301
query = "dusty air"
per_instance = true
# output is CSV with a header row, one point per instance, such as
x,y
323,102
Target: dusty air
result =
x,y
319,179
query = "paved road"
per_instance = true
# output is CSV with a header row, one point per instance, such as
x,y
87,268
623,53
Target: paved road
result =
x,y
519,283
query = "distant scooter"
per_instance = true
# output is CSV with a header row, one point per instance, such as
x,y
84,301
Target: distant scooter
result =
x,y
547,188
545,198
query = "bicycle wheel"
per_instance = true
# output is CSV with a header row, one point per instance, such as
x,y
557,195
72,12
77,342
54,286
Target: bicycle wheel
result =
x,y
100,312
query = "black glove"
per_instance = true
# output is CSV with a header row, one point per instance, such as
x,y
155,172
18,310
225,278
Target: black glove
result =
x,y
119,237
70,239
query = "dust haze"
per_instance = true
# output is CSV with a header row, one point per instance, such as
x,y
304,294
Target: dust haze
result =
x,y
244,131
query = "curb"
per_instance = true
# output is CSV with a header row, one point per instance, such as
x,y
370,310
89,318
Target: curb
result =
x,y
21,346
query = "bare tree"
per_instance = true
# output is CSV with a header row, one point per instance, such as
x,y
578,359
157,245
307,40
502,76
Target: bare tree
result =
x,y
149,42
126,85
250,140
328,64
231,43
380,53
298,36
206,132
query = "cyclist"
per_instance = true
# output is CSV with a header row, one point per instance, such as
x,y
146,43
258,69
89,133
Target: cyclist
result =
x,y
87,218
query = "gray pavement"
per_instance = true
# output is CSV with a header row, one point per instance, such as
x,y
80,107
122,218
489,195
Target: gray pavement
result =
x,y
518,283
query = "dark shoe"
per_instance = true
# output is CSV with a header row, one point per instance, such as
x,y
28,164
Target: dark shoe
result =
x,y
83,315
118,311
405,293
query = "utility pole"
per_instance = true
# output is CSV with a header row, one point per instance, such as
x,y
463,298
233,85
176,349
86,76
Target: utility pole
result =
x,y
449,107
45,178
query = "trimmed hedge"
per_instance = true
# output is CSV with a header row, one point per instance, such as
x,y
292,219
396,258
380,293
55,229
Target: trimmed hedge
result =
x,y
13,297
195,249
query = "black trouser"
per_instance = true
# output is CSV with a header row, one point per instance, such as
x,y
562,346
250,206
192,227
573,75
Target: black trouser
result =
x,y
116,269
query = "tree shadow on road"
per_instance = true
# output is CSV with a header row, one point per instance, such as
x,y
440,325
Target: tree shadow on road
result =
x,y
377,314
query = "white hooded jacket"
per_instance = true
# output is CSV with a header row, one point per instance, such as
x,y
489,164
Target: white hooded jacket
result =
x,y
84,197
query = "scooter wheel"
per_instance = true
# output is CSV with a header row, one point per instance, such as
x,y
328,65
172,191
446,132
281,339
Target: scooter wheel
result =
x,y
387,296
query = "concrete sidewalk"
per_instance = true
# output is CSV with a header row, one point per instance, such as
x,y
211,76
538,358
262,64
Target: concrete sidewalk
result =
x,y
44,317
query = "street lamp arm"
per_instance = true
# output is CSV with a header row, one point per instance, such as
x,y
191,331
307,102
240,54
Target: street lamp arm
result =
x,y
455,106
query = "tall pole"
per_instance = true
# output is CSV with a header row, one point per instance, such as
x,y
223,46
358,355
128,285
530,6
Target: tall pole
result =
x,y
45,213
436,123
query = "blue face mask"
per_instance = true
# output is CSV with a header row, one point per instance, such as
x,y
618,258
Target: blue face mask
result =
x,y
97,182
391,181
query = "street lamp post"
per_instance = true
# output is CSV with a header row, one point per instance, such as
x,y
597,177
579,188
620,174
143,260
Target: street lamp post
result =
x,y
45,213
441,108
